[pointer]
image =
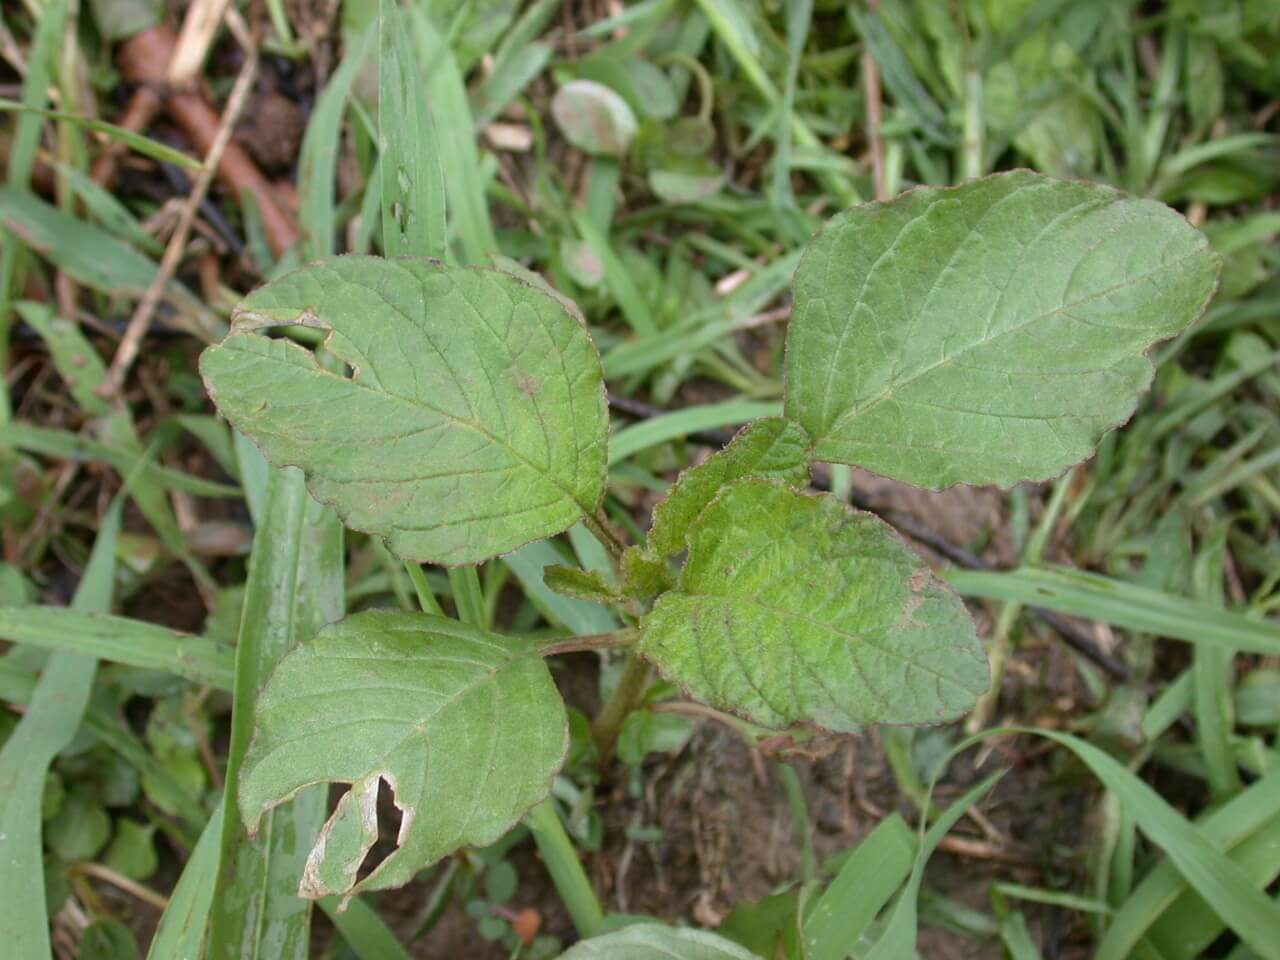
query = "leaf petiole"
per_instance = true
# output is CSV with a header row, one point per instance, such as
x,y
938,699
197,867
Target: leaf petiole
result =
x,y
595,641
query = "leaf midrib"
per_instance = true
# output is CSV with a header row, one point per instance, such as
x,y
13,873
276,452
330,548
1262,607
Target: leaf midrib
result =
x,y
314,368
887,393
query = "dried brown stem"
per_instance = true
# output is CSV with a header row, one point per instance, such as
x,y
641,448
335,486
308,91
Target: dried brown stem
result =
x,y
144,59
140,323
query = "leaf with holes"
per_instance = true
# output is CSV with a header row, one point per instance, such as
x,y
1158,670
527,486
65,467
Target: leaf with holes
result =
x,y
795,608
475,419
986,333
650,941
466,728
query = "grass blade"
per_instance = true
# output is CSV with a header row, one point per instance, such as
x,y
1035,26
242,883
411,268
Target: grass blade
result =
x,y
711,416
135,141
182,926
318,162
877,867
561,858
456,140
1222,883
413,199
51,721
899,938
1249,815
1121,604
120,639
366,934
295,586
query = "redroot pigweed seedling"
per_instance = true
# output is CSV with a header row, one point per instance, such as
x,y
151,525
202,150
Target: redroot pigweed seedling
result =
x,y
984,334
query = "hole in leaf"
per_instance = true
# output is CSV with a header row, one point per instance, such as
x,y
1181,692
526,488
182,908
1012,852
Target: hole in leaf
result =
x,y
390,819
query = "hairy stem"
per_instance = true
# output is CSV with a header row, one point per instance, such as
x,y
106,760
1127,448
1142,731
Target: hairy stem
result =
x,y
594,641
626,697
599,525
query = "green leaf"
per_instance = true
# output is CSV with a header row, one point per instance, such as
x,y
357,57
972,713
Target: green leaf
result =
x,y
651,941
580,584
798,609
108,940
986,333
475,420
81,828
466,728
132,851
771,448
644,575
594,118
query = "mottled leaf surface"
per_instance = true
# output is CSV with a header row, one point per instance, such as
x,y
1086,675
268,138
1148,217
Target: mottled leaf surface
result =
x,y
473,422
986,333
594,118
651,941
795,608
770,448
465,727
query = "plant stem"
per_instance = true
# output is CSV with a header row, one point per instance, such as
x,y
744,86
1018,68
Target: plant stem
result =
x,y
1001,640
626,696
468,597
800,819
561,858
585,642
971,164
599,525
426,596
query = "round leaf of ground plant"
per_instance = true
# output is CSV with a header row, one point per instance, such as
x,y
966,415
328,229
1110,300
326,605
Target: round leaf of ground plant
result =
x,y
466,728
772,448
798,609
651,941
986,333
474,419
594,118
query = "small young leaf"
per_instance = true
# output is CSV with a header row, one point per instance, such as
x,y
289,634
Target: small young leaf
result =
x,y
475,420
986,333
593,117
580,584
467,729
797,609
645,575
770,448
652,941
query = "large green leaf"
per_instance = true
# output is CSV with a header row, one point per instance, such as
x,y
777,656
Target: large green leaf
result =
x,y
798,609
986,333
465,727
652,941
475,419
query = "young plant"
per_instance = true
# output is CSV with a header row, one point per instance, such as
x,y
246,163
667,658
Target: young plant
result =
x,y
989,333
